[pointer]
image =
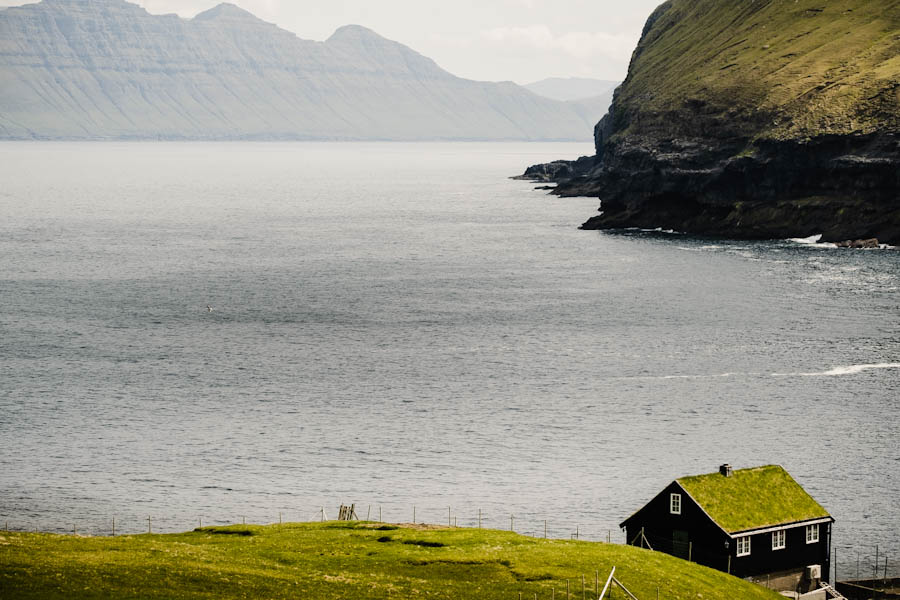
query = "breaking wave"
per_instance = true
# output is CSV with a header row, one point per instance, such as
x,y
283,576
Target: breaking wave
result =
x,y
839,371
834,372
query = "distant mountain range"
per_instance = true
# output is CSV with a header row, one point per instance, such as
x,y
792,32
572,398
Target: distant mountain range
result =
x,y
107,69
573,88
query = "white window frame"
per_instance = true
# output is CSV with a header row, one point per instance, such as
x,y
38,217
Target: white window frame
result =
x,y
675,504
743,546
812,534
779,539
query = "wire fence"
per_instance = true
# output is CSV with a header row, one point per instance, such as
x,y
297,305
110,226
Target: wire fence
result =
x,y
447,516
849,562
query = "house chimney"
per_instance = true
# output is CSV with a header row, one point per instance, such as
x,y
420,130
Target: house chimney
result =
x,y
725,470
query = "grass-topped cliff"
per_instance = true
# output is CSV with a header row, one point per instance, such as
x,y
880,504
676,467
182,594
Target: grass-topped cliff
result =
x,y
773,69
343,560
754,119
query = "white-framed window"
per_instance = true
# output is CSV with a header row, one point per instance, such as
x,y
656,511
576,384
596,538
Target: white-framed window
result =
x,y
812,534
675,504
779,539
743,546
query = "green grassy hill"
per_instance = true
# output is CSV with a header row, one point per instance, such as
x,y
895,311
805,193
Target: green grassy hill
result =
x,y
775,68
343,560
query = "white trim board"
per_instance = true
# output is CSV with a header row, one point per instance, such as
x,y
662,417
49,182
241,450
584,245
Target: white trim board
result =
x,y
794,525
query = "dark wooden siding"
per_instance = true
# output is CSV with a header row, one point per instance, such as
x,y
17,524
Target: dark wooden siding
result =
x,y
796,555
694,532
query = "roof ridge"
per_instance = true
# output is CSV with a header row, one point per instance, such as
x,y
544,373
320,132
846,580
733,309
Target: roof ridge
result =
x,y
752,498
744,470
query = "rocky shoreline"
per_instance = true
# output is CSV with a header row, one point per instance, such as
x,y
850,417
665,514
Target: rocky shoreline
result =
x,y
750,143
843,187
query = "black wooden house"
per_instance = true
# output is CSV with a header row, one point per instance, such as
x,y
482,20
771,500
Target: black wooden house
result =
x,y
758,524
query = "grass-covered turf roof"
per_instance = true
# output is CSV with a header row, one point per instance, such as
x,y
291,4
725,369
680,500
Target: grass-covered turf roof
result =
x,y
752,498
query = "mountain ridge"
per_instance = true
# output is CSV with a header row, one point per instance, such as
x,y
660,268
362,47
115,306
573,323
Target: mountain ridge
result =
x,y
572,89
108,69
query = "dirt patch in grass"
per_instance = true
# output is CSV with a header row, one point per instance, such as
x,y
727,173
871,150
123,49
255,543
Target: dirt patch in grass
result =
x,y
425,543
216,531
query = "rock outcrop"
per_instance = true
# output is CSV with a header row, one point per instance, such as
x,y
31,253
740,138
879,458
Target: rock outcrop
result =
x,y
761,119
94,69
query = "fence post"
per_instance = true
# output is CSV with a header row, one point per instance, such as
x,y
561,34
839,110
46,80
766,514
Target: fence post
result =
x,y
567,589
511,522
149,525
379,514
834,560
596,582
690,551
114,527
414,514
583,593
876,566
479,518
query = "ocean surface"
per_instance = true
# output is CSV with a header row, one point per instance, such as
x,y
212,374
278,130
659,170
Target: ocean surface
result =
x,y
401,325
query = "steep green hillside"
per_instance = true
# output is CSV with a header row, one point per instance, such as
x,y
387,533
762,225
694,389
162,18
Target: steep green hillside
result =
x,y
774,68
753,119
332,560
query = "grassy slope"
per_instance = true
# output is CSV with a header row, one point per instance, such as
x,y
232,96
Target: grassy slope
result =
x,y
752,498
334,560
787,68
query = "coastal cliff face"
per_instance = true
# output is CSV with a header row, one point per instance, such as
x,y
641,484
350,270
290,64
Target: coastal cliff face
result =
x,y
759,119
94,69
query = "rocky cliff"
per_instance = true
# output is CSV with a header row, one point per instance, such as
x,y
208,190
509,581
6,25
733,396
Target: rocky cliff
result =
x,y
87,69
755,119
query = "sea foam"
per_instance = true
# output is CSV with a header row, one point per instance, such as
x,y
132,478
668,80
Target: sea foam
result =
x,y
839,371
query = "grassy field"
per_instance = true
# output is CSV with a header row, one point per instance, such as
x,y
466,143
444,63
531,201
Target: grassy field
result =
x,y
343,560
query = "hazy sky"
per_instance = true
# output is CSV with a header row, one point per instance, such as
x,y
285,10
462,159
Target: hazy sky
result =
x,y
519,40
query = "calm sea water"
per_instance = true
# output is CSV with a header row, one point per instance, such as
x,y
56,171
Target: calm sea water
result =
x,y
400,325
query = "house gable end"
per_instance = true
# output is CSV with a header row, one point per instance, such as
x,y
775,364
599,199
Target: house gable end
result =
x,y
658,510
649,506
